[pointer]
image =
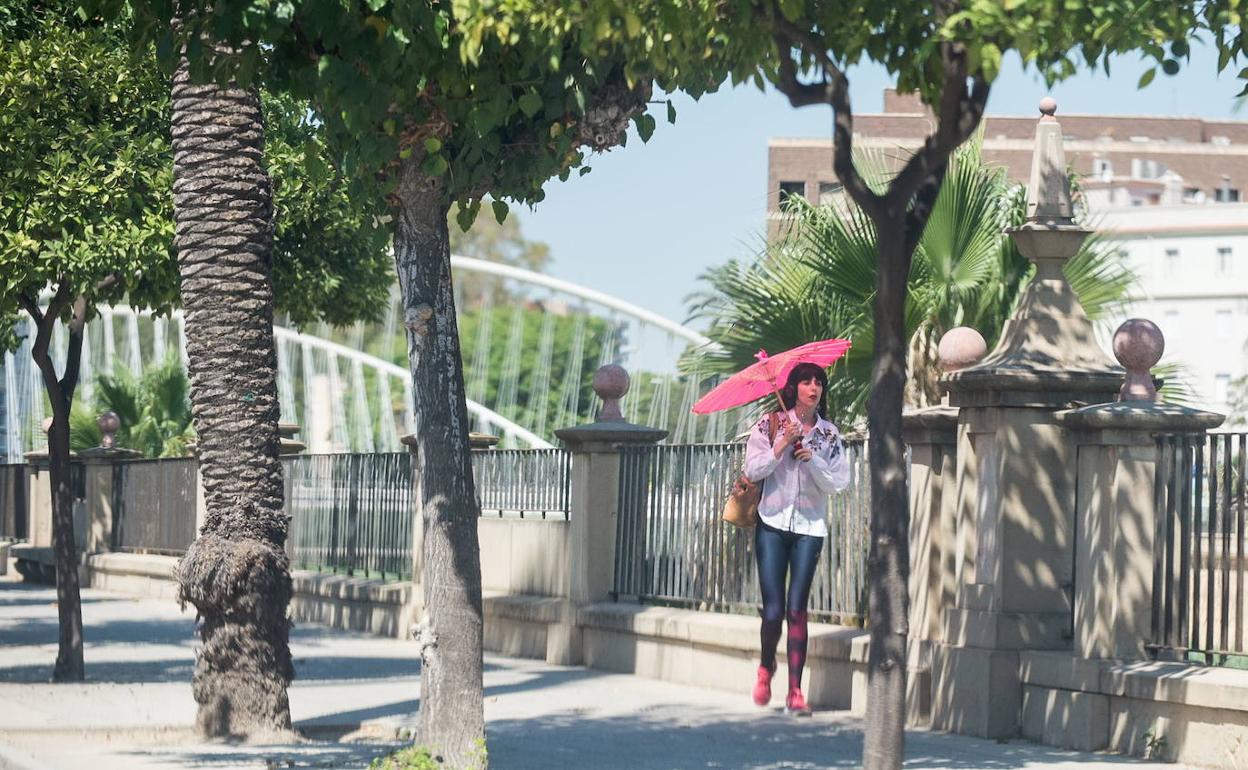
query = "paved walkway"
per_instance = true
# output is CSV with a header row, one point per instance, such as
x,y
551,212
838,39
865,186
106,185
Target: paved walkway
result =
x,y
354,693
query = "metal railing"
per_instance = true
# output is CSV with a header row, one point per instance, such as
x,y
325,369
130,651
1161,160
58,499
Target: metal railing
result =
x,y
533,483
1199,609
351,513
154,505
13,502
673,548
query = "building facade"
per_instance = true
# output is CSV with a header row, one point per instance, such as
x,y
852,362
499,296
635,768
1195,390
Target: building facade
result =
x,y
1169,191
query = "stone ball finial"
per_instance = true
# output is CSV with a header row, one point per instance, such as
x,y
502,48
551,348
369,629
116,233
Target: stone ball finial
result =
x,y
46,424
961,347
1138,345
611,382
109,424
1048,106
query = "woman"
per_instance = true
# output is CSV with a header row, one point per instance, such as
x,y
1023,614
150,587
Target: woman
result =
x,y
799,467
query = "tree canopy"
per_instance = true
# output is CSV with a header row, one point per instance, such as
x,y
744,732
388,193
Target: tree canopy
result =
x,y
86,172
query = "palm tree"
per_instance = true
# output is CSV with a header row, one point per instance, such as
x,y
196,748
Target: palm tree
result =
x,y
818,281
236,573
154,410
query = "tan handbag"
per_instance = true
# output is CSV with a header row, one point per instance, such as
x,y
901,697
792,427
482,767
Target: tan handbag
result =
x,y
741,507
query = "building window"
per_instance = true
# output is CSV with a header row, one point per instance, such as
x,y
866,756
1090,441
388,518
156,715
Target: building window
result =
x,y
1223,265
1226,195
1146,168
1172,262
1222,324
790,190
1221,388
1102,167
828,192
1193,195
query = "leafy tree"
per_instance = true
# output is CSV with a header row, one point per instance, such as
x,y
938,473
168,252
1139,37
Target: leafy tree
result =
x,y
950,52
818,280
85,175
449,103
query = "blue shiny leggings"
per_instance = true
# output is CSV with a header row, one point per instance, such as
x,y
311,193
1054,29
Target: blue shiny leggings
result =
x,y
784,555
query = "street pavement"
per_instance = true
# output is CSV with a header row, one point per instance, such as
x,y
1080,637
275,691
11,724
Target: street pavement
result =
x,y
355,697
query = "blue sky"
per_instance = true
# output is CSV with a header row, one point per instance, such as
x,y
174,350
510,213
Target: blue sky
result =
x,y
651,217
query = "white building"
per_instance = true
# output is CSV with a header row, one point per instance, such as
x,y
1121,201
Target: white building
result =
x,y
1192,265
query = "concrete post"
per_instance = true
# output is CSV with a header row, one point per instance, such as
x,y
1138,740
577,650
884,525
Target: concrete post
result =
x,y
1016,470
1115,506
594,505
1115,516
99,467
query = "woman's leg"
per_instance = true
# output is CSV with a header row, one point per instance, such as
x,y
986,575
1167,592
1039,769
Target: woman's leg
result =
x,y
772,555
803,559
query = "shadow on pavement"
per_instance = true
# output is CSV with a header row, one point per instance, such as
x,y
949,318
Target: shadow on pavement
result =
x,y
672,738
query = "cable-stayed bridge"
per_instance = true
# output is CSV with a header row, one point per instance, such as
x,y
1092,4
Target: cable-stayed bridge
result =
x,y
530,345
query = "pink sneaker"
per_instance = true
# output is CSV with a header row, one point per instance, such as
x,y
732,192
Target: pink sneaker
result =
x,y
762,686
795,704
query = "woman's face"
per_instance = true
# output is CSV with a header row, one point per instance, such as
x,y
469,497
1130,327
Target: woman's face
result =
x,y
808,392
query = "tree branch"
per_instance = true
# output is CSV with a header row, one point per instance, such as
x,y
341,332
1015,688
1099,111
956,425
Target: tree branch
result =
x,y
73,356
833,91
959,113
44,322
924,202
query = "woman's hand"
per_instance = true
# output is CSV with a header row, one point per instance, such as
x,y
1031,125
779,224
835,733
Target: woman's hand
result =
x,y
803,453
787,433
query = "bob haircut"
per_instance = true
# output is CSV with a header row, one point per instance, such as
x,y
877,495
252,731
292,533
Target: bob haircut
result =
x,y
801,373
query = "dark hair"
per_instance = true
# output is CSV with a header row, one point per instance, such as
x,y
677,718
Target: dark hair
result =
x,y
801,373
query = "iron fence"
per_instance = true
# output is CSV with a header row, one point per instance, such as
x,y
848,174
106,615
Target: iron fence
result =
x,y
1199,609
523,482
351,513
13,505
673,548
154,505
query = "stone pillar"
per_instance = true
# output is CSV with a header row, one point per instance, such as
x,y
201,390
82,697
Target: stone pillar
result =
x,y
594,505
931,435
1115,508
99,469
596,487
1016,470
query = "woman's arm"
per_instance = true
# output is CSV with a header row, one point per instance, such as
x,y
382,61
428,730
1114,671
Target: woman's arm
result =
x,y
829,467
760,454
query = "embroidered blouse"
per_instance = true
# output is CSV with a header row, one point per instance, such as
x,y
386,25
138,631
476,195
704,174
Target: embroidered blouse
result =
x,y
795,493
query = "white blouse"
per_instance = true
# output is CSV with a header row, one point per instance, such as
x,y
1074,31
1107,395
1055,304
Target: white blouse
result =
x,y
795,493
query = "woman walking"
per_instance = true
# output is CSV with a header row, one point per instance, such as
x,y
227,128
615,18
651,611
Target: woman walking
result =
x,y
798,466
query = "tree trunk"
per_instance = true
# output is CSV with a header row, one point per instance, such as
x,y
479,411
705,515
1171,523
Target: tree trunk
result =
x,y
452,722
888,563
236,573
69,665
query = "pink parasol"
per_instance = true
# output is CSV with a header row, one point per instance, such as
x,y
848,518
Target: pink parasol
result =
x,y
768,375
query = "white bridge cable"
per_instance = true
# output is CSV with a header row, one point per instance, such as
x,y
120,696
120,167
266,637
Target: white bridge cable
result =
x,y
570,389
506,398
539,392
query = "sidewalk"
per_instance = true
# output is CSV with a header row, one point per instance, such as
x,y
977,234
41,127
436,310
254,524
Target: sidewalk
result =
x,y
354,694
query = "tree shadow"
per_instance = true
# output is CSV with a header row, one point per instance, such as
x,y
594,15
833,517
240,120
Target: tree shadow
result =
x,y
305,754
676,737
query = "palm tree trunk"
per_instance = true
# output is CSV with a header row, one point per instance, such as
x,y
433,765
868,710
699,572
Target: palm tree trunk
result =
x,y
452,723
888,561
236,573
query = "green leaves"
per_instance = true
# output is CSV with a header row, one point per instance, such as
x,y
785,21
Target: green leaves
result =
x,y
530,103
